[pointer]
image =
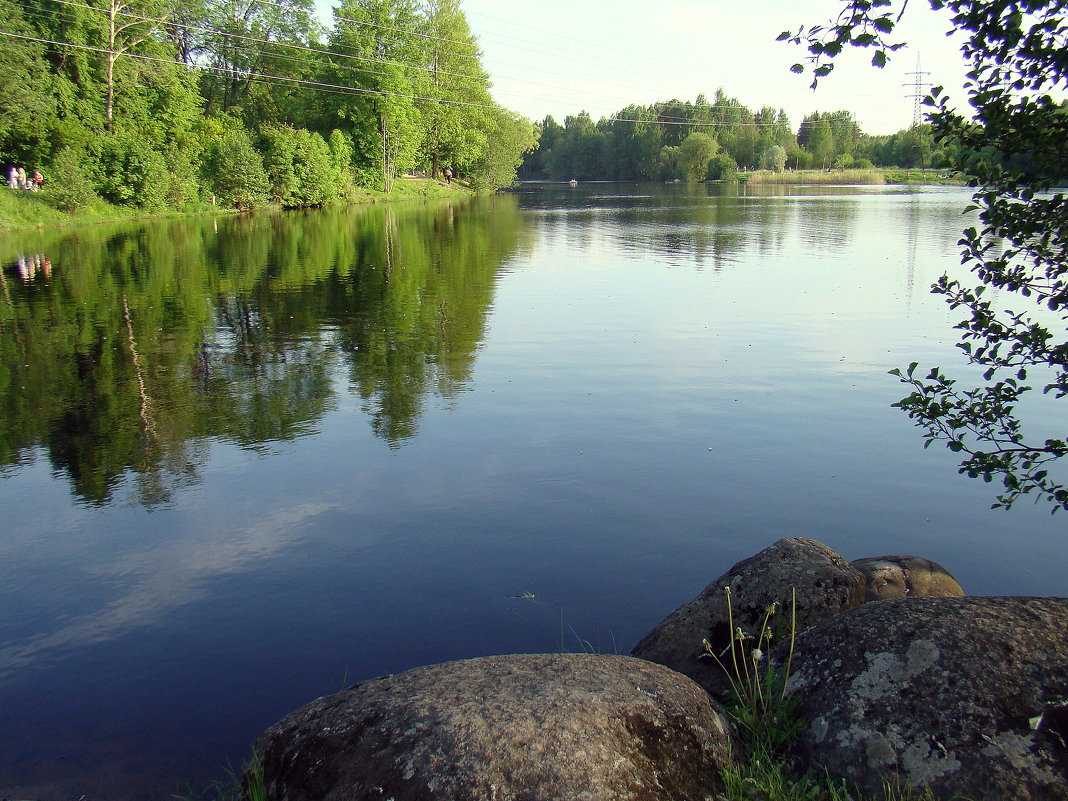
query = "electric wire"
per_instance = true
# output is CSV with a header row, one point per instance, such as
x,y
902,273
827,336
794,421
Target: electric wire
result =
x,y
257,75
324,52
662,119
320,51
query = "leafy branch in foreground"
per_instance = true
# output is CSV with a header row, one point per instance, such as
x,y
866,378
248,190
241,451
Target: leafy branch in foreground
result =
x,y
1012,149
985,414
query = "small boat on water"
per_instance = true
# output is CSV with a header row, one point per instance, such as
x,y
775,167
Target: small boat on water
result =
x,y
573,182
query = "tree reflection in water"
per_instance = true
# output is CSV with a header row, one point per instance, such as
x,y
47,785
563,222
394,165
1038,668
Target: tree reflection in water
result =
x,y
140,344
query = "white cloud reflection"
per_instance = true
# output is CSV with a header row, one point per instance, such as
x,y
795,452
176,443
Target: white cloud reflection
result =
x,y
153,583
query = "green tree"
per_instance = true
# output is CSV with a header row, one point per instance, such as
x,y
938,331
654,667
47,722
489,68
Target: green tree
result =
x,y
722,168
580,152
129,171
774,158
668,163
821,143
695,152
24,85
235,173
127,27
459,113
71,187
379,45
246,38
1013,151
510,137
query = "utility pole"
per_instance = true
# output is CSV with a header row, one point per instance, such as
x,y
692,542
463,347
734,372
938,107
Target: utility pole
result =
x,y
919,88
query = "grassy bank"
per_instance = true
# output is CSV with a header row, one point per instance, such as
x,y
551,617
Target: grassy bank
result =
x,y
855,177
21,210
860,177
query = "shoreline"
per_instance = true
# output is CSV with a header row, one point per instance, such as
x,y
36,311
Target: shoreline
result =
x,y
30,211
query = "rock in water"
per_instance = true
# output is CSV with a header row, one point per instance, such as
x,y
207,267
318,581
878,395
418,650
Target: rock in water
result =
x,y
964,695
825,583
530,727
901,576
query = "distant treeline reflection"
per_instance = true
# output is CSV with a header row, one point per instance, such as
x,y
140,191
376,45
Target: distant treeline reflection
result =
x,y
143,342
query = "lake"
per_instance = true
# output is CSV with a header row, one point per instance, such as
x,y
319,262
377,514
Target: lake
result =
x,y
251,460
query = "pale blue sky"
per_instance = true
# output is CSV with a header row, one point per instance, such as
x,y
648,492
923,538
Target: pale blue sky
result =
x,y
562,56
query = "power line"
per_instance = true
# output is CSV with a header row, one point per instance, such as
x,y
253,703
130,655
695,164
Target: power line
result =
x,y
257,75
319,51
275,43
324,52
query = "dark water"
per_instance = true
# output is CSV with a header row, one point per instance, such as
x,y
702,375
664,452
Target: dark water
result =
x,y
248,461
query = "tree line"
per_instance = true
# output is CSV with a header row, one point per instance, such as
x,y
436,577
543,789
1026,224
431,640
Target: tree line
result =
x,y
713,139
158,103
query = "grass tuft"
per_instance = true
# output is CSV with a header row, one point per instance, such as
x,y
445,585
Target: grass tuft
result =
x,y
769,719
759,700
245,784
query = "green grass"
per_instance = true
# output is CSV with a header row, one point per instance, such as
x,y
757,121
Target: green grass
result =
x,y
766,778
859,177
21,210
245,784
767,717
850,177
928,177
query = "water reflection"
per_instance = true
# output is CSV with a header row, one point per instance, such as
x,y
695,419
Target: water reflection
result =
x,y
696,225
152,340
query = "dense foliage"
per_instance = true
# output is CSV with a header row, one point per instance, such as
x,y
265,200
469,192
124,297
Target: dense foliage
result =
x,y
162,102
1014,147
662,141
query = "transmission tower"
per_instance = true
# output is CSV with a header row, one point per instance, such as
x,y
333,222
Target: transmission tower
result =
x,y
919,88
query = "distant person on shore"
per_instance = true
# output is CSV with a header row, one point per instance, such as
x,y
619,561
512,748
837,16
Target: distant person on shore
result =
x,y
448,175
22,178
38,179
13,178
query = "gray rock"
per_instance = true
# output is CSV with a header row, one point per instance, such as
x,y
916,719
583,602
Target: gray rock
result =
x,y
900,576
964,695
825,583
529,727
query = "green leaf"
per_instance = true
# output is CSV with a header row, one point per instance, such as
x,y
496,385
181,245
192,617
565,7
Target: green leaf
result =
x,y
879,59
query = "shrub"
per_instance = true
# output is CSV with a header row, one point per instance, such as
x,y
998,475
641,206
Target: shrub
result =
x,y
129,172
70,186
722,168
234,171
300,168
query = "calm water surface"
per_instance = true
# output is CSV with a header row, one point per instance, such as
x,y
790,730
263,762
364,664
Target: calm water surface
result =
x,y
246,462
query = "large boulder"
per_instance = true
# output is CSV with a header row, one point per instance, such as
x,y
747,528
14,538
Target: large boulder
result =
x,y
530,727
901,576
825,584
964,695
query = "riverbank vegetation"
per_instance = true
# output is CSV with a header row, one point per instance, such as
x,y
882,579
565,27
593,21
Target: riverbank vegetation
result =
x,y
19,210
715,139
852,177
159,105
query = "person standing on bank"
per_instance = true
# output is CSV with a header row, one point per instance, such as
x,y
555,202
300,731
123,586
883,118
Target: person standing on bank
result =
x,y
448,175
13,178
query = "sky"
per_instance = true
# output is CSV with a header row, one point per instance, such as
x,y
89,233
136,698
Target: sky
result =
x,y
561,57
